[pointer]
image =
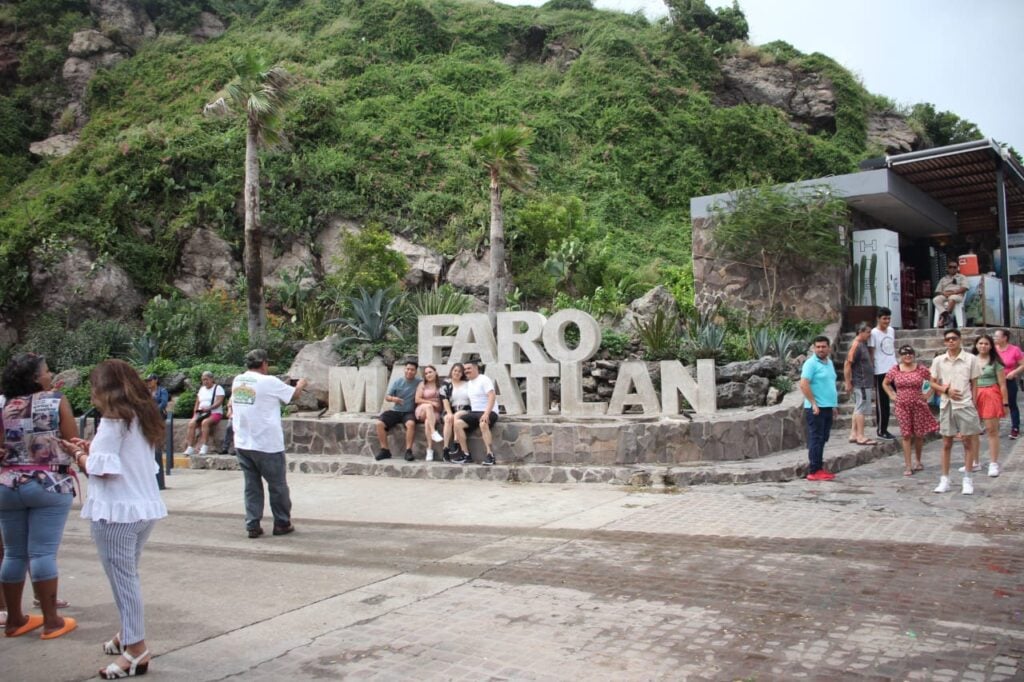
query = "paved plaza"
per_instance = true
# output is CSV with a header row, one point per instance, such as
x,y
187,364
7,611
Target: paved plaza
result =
x,y
871,577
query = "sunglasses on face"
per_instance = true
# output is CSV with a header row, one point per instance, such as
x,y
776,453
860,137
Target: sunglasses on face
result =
x,y
950,339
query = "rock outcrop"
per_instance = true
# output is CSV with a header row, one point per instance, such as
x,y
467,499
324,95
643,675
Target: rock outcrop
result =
x,y
206,263
74,284
643,309
425,265
471,274
807,98
892,133
313,363
56,146
209,27
125,18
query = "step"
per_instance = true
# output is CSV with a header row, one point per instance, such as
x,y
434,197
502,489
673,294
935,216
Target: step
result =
x,y
778,467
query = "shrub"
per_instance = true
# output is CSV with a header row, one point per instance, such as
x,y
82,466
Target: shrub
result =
x,y
615,343
184,404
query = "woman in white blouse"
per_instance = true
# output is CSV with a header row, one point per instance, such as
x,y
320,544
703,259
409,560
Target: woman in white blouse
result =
x,y
123,499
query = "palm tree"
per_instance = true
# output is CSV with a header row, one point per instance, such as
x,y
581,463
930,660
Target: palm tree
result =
x,y
502,151
261,91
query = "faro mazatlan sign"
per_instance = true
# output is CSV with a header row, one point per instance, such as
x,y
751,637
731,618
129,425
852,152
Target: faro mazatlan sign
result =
x,y
526,345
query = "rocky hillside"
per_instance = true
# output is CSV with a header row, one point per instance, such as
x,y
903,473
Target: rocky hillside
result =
x,y
115,188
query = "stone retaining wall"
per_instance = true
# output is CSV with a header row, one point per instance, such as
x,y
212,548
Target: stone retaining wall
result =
x,y
606,441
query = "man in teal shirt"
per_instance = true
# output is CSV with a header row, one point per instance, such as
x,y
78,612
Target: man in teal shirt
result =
x,y
818,384
402,396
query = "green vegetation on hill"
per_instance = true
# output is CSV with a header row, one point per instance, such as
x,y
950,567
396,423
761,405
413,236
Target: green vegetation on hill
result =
x,y
389,95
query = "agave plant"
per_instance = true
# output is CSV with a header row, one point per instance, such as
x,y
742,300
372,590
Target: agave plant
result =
x,y
787,343
659,335
371,319
702,336
762,342
444,300
145,349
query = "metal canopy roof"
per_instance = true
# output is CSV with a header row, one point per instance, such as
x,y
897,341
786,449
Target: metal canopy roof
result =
x,y
963,178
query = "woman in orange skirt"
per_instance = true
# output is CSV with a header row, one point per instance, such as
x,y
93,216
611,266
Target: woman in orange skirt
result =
x,y
990,396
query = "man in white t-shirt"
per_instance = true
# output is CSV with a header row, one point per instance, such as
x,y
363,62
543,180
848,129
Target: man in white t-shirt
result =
x,y
882,345
483,406
256,400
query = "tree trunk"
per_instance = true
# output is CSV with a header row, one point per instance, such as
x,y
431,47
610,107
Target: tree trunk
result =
x,y
496,292
253,241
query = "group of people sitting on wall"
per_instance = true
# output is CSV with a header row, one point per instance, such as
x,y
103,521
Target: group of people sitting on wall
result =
x,y
975,390
466,401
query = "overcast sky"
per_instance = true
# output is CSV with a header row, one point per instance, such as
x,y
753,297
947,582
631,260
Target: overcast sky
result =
x,y
963,56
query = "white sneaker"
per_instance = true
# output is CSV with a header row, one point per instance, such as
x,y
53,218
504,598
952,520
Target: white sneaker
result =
x,y
437,437
976,467
430,455
968,487
943,486
203,450
993,469
190,450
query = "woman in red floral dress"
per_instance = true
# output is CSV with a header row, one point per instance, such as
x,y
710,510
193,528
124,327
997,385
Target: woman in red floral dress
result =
x,y
903,384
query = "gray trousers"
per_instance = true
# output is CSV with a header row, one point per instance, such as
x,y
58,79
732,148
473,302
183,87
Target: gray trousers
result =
x,y
120,548
271,466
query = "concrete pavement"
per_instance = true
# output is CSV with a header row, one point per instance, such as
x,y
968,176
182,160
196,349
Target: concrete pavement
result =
x,y
871,577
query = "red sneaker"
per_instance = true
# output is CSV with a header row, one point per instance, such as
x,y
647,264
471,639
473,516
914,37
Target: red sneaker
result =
x,y
827,475
816,476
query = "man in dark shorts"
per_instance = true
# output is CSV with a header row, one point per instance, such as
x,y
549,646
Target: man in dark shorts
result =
x,y
402,396
482,401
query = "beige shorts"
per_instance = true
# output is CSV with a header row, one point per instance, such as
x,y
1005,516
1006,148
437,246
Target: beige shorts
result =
x,y
963,420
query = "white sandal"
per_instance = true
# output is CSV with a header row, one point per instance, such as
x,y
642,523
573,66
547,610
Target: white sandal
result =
x,y
116,672
113,646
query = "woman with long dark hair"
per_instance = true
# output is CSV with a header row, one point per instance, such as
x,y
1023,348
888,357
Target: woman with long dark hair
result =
x,y
123,499
36,490
990,397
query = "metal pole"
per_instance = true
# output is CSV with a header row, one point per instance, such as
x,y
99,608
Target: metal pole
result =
x,y
1004,238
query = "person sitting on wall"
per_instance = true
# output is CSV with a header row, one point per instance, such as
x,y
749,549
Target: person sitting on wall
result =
x,y
402,396
483,414
208,411
951,290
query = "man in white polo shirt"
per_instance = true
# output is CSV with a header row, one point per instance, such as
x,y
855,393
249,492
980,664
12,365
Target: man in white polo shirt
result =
x,y
483,413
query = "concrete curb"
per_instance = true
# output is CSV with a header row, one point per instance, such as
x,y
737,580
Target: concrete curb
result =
x,y
783,466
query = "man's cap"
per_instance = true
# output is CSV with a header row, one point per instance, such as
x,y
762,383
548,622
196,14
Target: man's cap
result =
x,y
153,377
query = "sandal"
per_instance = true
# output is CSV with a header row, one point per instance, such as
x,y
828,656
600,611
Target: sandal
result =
x,y
113,646
866,441
136,666
908,472
69,625
61,604
918,467
31,623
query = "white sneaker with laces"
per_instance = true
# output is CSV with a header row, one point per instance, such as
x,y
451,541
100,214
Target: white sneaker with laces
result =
x,y
437,437
968,486
430,455
976,467
190,450
203,450
943,486
993,469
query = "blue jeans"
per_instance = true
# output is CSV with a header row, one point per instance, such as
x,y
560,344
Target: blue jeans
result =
x,y
271,466
819,426
1011,394
32,521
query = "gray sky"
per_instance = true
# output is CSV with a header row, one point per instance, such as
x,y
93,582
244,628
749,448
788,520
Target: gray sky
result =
x,y
962,56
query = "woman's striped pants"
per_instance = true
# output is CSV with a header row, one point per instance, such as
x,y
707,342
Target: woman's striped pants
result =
x,y
120,548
